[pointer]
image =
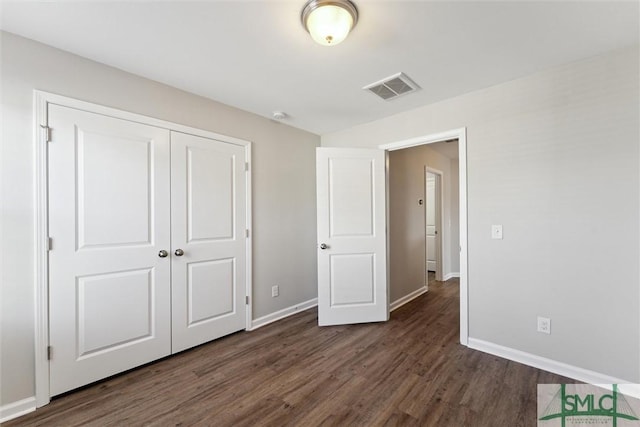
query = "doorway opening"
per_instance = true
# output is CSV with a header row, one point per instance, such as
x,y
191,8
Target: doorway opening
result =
x,y
433,208
427,229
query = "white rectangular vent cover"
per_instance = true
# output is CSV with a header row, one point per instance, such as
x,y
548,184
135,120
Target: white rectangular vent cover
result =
x,y
392,87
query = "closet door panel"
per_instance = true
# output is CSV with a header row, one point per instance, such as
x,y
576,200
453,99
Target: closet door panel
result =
x,y
109,217
210,195
208,190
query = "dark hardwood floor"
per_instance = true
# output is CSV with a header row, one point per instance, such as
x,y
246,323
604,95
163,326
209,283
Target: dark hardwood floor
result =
x,y
408,371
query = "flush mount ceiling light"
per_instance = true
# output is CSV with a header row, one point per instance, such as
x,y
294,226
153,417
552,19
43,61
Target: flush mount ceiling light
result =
x,y
329,21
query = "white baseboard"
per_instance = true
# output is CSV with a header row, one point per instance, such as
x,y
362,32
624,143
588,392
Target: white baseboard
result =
x,y
450,276
543,363
16,409
405,299
281,314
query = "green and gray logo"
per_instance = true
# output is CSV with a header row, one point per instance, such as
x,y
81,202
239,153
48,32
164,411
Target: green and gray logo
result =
x,y
585,404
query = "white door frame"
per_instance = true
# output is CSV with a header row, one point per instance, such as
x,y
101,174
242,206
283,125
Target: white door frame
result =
x,y
461,135
440,254
41,100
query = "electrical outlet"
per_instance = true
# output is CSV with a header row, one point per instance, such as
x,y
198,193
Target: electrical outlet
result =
x,y
496,232
544,325
275,291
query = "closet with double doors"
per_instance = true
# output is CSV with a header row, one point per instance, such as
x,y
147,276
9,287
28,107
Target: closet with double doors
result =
x,y
148,224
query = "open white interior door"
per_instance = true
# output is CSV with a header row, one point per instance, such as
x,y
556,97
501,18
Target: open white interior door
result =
x,y
352,252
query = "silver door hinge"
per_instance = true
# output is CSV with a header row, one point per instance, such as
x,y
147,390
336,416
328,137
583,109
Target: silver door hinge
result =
x,y
246,300
49,243
246,233
49,352
246,166
47,132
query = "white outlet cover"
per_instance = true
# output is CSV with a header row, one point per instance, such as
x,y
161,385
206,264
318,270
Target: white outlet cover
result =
x,y
496,232
544,325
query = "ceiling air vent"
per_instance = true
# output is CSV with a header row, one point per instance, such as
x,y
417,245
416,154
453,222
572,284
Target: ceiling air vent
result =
x,y
392,87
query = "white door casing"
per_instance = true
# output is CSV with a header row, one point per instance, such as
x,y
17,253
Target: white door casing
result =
x,y
352,261
208,215
431,231
434,216
109,218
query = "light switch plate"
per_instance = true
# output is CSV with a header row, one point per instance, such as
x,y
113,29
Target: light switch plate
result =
x,y
496,232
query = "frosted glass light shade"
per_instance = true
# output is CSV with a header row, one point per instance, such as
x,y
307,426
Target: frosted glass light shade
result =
x,y
329,22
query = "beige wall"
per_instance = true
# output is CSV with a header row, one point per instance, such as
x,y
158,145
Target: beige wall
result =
x,y
284,218
407,249
539,151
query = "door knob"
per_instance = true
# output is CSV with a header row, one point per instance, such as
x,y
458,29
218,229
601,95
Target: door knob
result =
x,y
163,254
323,246
179,252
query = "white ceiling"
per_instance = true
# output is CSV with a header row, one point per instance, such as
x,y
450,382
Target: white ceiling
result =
x,y
255,55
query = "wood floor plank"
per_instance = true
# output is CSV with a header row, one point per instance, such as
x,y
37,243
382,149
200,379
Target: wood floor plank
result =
x,y
409,371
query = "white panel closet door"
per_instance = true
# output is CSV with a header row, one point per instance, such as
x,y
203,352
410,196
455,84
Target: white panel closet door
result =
x,y
208,197
109,218
352,264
